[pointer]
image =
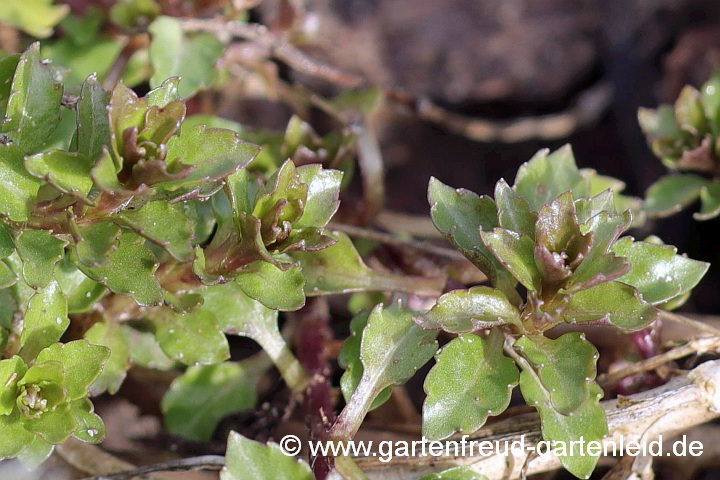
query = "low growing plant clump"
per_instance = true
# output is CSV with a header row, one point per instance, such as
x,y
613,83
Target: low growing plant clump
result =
x,y
134,234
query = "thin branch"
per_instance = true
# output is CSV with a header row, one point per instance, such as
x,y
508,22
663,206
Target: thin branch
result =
x,y
689,322
390,239
585,110
205,462
697,345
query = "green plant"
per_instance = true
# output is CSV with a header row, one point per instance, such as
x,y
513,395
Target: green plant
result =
x,y
686,137
156,235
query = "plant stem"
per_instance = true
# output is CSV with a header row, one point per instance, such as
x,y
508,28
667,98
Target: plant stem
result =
x,y
352,416
390,239
290,368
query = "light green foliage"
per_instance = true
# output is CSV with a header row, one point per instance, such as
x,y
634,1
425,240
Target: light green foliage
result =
x,y
247,459
204,395
174,53
47,402
36,17
113,374
471,380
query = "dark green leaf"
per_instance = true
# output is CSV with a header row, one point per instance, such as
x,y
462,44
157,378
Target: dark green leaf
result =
x,y
93,127
39,251
163,224
33,111
566,367
81,291
323,196
710,198
657,271
616,302
129,270
214,153
68,172
514,211
673,192
471,380
517,253
463,311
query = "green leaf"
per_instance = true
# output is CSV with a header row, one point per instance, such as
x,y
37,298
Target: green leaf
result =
x,y
204,395
456,473
657,271
95,243
82,362
238,314
89,427
517,254
36,453
11,371
586,424
247,459
35,17
192,339
109,335
8,65
33,111
7,276
93,127
673,192
689,111
46,319
323,196
145,351
547,175
39,251
13,436
129,270
275,288
710,198
94,58
616,302
214,154
566,367
460,215
54,425
7,246
68,172
134,13
393,348
81,291
599,264
462,311
349,359
514,212
192,57
18,189
163,224
471,380
339,269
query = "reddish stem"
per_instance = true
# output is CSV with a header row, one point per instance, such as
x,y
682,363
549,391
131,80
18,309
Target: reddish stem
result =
x,y
312,338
